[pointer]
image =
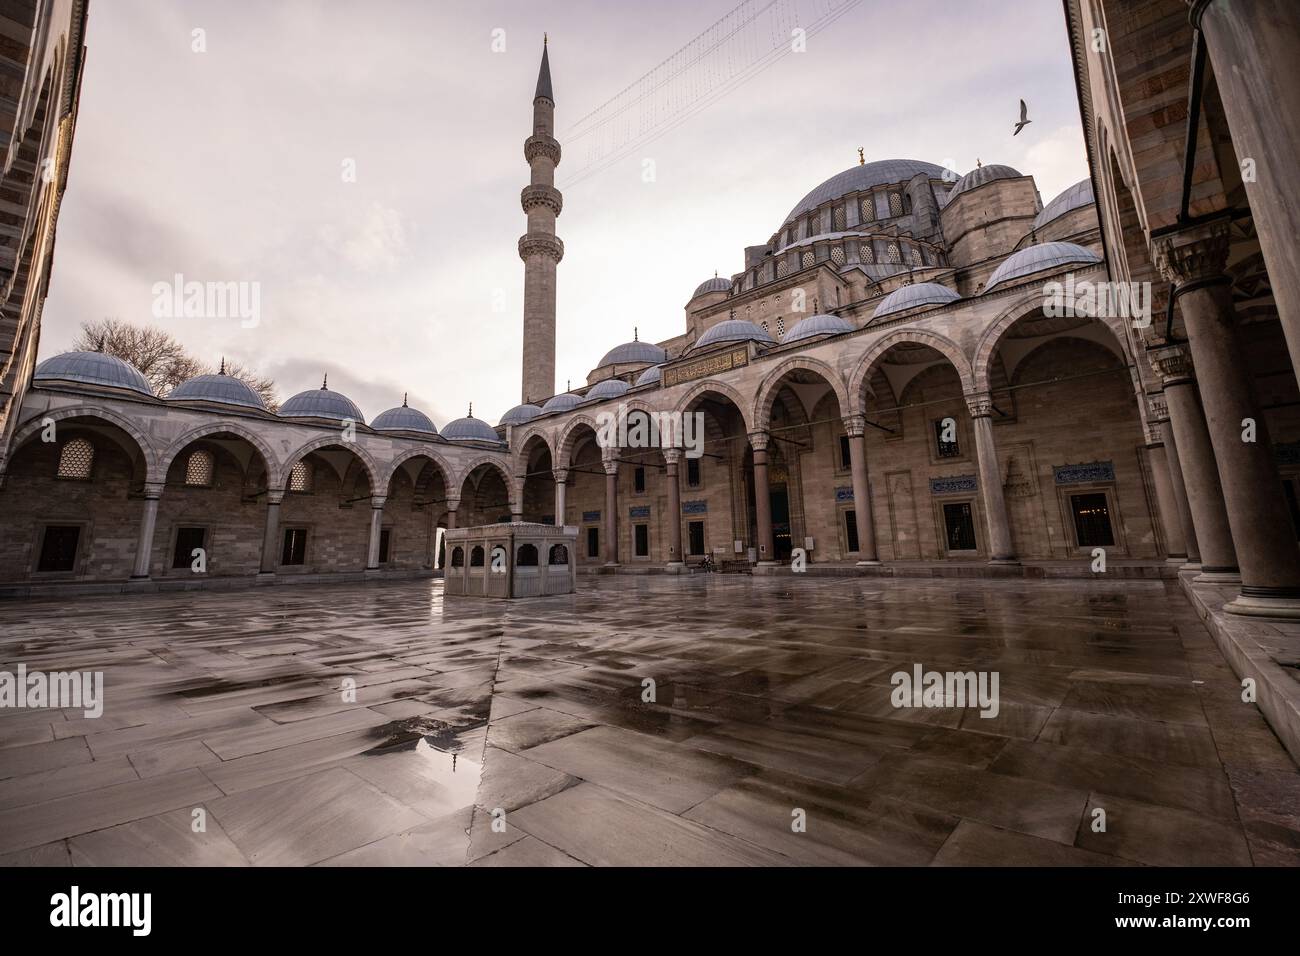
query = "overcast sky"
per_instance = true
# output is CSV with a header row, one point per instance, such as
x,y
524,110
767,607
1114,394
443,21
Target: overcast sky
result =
x,y
227,165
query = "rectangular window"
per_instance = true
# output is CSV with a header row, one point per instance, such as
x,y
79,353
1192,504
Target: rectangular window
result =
x,y
593,542
846,456
695,536
1091,520
385,541
638,480
959,526
692,473
851,530
642,540
946,428
59,548
295,546
187,540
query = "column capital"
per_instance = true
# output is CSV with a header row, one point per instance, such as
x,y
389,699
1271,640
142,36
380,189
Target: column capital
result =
x,y
611,466
759,440
855,426
672,455
453,503
377,501
1159,406
1195,256
561,475
979,404
153,489
1173,363
274,496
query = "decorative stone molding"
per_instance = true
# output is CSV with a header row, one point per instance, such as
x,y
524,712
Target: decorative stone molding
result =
x,y
1159,406
1194,256
1173,364
537,244
540,144
378,501
855,426
758,440
980,405
153,489
561,475
672,455
548,196
611,466
274,496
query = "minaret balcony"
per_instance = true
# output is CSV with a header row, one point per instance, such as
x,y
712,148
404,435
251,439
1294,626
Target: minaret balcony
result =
x,y
540,144
535,244
548,196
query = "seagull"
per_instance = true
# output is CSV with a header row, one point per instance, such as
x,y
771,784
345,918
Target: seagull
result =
x,y
1023,122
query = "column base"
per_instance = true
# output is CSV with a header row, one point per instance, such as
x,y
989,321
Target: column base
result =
x,y
1217,576
868,564
1253,605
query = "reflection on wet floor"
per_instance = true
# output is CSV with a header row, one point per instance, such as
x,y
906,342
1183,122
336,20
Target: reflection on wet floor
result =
x,y
641,721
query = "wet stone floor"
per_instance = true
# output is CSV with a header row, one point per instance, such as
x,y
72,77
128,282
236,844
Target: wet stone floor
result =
x,y
493,733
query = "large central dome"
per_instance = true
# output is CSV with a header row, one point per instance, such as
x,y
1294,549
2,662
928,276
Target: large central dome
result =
x,y
864,176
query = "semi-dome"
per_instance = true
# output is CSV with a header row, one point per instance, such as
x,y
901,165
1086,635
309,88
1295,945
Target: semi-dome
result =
x,y
469,428
403,419
913,296
1045,255
882,172
1080,194
321,403
651,376
816,325
561,403
609,388
634,353
734,330
520,414
93,368
220,388
715,284
981,175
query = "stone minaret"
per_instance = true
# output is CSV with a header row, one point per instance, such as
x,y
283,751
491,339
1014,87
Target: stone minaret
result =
x,y
539,247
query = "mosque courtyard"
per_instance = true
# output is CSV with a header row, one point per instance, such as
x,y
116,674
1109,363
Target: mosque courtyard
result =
x,y
645,720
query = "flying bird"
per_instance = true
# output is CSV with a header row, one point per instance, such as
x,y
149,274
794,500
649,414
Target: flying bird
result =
x,y
1023,121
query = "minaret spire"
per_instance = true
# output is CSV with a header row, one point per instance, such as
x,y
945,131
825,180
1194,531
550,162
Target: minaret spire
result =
x,y
539,247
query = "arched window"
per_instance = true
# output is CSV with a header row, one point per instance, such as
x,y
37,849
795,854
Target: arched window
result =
x,y
75,459
866,253
457,557
527,556
837,255
782,267
780,327
765,328
813,225
559,554
476,557
807,259
837,219
199,469
300,477
868,206
891,253
916,255
895,204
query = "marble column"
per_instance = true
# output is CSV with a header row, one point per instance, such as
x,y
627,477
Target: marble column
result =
x,y
148,521
561,487
1196,459
765,542
376,530
611,513
1254,46
1171,523
672,458
453,504
855,427
1001,550
1195,260
271,535
1160,412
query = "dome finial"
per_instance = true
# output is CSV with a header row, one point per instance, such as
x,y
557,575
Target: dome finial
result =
x,y
325,382
636,334
471,409
545,39
568,384
862,159
222,370
978,164
404,405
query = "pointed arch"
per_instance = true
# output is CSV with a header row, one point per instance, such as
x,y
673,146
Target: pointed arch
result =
x,y
502,467
941,344
146,447
720,388
269,460
363,456
420,451
771,383
520,459
564,447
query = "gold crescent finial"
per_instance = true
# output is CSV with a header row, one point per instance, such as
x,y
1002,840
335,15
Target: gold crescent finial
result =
x,y
862,159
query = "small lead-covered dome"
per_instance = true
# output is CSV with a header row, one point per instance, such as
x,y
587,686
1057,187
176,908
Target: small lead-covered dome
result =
x,y
981,175
734,330
520,414
1080,194
716,284
651,376
914,296
634,353
561,403
610,388
321,403
1039,258
222,389
404,419
816,325
93,368
470,428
